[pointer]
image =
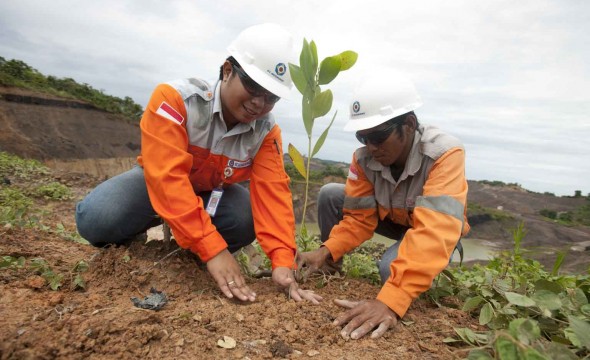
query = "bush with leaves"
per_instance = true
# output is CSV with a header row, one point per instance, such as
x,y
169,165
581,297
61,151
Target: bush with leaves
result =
x,y
531,313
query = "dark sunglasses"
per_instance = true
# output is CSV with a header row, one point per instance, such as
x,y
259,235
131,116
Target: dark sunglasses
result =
x,y
253,88
377,137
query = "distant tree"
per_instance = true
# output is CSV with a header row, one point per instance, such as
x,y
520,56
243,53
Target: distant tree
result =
x,y
551,214
578,193
19,74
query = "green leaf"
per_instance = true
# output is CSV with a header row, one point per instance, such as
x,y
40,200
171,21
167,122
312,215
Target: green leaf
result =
x,y
318,145
81,266
506,349
79,282
314,57
450,340
546,299
581,329
298,161
558,351
532,354
322,103
54,281
552,286
306,110
527,331
329,69
486,314
479,354
518,299
579,297
558,262
298,77
585,309
348,58
306,62
472,303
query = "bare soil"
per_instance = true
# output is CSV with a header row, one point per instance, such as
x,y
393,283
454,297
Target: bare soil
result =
x,y
101,322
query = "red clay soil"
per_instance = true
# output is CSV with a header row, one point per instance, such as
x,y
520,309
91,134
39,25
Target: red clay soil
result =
x,y
102,323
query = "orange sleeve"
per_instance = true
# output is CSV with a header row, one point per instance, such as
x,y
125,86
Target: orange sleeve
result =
x,y
360,214
167,165
437,225
272,205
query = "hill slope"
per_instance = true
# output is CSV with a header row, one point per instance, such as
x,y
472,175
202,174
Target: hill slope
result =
x,y
74,136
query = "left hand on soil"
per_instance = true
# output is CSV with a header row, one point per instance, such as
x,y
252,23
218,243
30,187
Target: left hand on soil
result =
x,y
363,317
283,276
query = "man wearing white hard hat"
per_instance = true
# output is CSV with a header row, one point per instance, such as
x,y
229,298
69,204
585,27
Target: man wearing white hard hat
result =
x,y
407,183
198,141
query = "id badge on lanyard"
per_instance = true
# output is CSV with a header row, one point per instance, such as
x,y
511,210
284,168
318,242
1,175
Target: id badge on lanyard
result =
x,y
217,193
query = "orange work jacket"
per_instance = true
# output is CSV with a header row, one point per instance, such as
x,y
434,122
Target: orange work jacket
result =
x,y
429,197
186,148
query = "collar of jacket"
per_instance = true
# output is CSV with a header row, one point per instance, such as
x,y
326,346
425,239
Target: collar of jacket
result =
x,y
239,128
412,164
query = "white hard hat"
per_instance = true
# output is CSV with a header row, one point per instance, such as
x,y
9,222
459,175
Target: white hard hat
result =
x,y
264,52
381,97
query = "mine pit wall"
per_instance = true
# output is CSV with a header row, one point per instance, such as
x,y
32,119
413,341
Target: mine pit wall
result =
x,y
100,168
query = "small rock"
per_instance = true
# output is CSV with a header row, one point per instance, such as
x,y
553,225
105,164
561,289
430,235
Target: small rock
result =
x,y
312,353
180,342
197,318
21,331
239,317
227,342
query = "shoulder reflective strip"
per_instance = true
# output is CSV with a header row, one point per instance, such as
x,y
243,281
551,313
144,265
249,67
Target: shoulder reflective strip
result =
x,y
355,203
444,204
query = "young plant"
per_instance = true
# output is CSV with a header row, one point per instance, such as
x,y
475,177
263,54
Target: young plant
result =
x,y
307,77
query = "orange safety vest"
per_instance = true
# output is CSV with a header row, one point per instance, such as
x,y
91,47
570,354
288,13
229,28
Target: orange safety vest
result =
x,y
429,197
186,148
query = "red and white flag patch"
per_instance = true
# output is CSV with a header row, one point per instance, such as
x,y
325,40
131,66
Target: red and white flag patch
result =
x,y
353,173
170,113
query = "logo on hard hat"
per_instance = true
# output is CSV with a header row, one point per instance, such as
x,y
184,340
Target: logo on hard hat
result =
x,y
356,107
280,69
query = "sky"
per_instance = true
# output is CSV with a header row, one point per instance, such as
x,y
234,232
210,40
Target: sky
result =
x,y
510,79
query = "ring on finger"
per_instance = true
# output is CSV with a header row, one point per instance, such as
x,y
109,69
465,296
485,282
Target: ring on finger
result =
x,y
230,283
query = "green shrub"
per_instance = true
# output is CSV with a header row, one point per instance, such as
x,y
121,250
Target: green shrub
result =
x,y
54,191
551,214
530,313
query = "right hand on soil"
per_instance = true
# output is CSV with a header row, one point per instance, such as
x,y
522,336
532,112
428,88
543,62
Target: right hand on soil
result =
x,y
309,262
226,273
284,277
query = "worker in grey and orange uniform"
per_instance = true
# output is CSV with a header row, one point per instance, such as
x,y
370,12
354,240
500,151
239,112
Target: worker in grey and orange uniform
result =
x,y
407,183
198,141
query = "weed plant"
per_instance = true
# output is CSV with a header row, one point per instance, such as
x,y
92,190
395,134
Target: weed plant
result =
x,y
530,313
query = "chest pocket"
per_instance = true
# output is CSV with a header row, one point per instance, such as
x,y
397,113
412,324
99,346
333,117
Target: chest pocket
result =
x,y
205,174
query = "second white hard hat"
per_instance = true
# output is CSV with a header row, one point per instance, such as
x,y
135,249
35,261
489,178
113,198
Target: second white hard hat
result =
x,y
264,52
381,97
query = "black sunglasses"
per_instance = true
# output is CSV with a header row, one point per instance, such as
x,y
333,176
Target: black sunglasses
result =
x,y
253,88
377,137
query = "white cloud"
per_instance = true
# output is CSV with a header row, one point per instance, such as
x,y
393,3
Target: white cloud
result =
x,y
508,78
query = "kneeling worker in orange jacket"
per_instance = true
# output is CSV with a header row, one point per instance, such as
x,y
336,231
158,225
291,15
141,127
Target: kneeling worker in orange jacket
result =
x,y
407,183
198,141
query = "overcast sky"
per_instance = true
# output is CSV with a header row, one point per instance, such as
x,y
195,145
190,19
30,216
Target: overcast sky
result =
x,y
511,79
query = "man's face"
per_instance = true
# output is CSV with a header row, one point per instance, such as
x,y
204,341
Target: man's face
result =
x,y
242,99
385,143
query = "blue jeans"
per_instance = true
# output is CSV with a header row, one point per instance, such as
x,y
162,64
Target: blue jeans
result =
x,y
119,209
330,203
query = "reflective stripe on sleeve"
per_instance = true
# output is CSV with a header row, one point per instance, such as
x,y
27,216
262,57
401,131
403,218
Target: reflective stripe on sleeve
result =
x,y
356,203
443,204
